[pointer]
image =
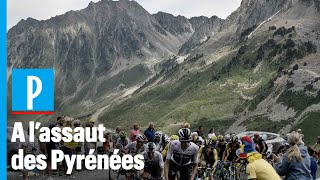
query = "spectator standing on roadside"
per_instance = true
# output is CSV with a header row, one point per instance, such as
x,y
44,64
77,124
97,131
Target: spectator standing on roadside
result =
x,y
150,132
211,133
115,136
296,162
200,132
134,132
314,165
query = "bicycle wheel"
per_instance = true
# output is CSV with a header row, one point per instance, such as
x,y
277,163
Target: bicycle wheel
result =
x,y
242,173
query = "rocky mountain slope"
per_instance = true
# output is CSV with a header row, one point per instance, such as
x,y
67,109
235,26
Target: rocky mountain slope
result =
x,y
256,70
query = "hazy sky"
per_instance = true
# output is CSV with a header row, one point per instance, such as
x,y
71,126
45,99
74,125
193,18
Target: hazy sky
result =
x,y
44,9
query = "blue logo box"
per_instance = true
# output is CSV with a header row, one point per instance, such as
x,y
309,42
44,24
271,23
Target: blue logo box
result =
x,y
32,90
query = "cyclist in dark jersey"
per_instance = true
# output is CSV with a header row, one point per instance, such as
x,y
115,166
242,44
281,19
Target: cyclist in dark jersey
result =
x,y
221,147
182,156
208,157
231,148
153,162
262,147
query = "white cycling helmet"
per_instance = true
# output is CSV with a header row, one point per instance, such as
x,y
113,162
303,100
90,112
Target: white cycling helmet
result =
x,y
140,138
158,134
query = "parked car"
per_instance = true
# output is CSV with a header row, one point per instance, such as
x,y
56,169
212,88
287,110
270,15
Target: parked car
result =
x,y
270,138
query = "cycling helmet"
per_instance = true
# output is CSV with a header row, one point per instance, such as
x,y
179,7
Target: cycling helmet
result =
x,y
165,138
140,138
151,146
234,138
184,134
220,138
174,137
207,143
214,138
123,134
256,135
158,134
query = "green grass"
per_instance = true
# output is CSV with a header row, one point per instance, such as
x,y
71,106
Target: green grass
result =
x,y
262,123
310,127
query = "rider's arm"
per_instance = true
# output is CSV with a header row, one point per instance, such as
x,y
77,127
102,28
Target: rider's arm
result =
x,y
195,161
200,154
225,153
161,164
165,150
194,170
215,156
166,166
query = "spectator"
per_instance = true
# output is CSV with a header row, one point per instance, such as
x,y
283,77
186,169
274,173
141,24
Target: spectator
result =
x,y
150,132
200,131
296,162
211,133
134,132
115,136
106,143
314,165
69,147
257,167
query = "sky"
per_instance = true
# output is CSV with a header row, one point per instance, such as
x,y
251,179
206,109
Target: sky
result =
x,y
45,9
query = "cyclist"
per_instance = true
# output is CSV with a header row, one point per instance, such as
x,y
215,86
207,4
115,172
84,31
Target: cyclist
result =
x,y
165,150
115,136
122,141
208,157
182,156
262,147
133,148
221,146
214,141
153,162
157,139
227,138
231,148
163,143
136,147
197,139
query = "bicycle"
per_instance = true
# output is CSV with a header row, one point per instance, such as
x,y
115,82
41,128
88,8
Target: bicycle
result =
x,y
203,173
218,171
242,170
115,174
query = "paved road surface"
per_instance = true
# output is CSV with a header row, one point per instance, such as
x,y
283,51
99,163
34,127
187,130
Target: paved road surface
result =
x,y
85,175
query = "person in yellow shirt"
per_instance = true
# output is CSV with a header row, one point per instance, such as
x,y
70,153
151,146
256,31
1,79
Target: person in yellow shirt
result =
x,y
257,168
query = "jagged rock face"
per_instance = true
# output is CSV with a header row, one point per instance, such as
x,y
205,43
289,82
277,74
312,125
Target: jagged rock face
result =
x,y
202,34
90,46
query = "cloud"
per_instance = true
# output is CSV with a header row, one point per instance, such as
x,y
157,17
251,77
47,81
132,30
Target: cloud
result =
x,y
44,9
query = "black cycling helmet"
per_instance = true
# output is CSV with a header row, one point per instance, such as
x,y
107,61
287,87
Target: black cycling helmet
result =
x,y
151,146
184,134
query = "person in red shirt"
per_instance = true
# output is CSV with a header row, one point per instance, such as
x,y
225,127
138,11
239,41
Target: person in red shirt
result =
x,y
134,132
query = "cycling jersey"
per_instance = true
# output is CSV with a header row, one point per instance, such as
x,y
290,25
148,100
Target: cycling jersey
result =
x,y
180,157
157,159
260,142
165,150
132,148
209,158
123,142
221,147
154,165
232,148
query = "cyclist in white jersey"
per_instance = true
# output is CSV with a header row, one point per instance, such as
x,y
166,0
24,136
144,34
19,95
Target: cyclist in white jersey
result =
x,y
153,162
182,156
